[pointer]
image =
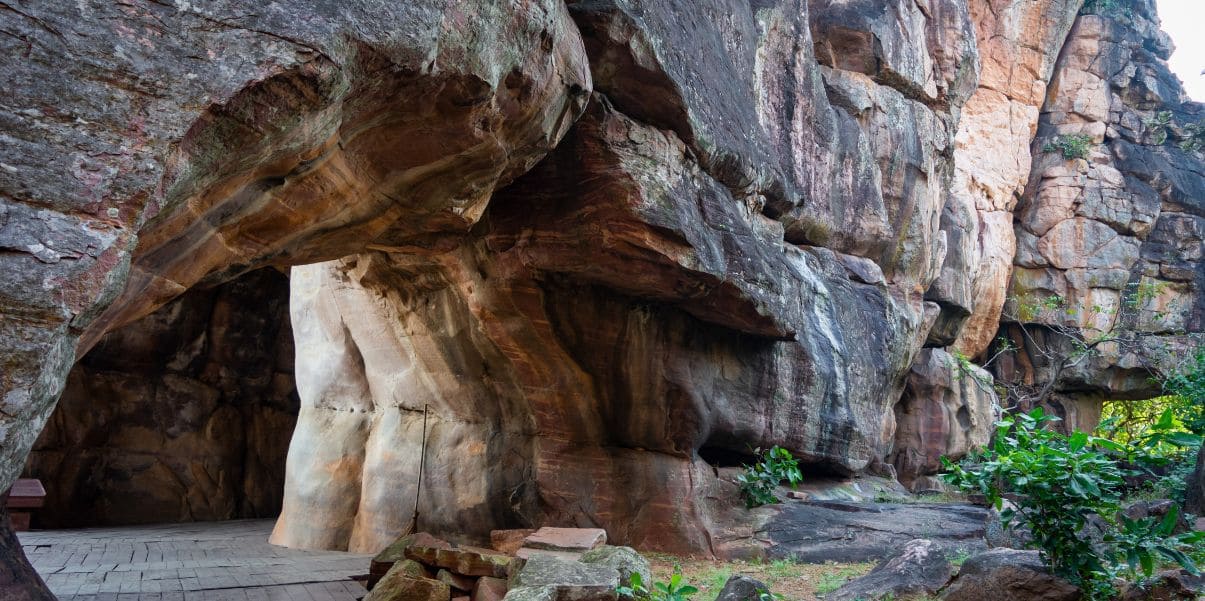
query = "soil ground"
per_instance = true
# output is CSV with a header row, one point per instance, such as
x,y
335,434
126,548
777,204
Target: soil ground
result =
x,y
794,581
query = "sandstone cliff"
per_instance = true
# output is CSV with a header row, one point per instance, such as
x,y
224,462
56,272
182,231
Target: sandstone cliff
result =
x,y
601,239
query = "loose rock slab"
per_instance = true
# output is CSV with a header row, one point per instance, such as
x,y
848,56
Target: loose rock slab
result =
x,y
920,567
567,539
563,581
404,588
385,560
468,561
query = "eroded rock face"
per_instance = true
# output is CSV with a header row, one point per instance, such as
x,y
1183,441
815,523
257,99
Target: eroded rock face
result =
x,y
1116,234
594,238
334,124
948,408
188,410
1018,43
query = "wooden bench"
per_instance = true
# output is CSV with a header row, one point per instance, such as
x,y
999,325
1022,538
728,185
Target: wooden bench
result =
x,y
25,495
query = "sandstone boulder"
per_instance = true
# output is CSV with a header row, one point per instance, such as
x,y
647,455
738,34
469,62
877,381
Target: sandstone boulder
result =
x,y
509,541
742,588
465,561
625,560
397,587
489,589
1007,575
948,409
820,531
563,581
918,568
1168,585
566,539
395,553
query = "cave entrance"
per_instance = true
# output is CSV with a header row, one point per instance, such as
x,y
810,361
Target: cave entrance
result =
x,y
184,415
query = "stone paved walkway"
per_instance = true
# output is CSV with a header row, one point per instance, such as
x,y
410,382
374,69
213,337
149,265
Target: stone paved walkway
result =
x,y
210,561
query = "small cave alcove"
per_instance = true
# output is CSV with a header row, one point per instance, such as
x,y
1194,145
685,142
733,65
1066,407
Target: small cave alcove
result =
x,y
184,415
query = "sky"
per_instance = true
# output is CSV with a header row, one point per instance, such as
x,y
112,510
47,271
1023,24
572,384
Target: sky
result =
x,y
1184,20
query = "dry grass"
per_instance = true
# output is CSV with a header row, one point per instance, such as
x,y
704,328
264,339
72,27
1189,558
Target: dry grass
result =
x,y
794,581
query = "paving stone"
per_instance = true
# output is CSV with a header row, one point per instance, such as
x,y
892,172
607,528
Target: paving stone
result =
x,y
224,561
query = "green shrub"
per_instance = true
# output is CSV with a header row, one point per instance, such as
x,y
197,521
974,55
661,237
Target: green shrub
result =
x,y
1194,138
1074,146
1188,389
1107,8
760,479
674,590
1057,482
1157,126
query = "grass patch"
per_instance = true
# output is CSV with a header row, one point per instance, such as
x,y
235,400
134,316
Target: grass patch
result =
x,y
794,581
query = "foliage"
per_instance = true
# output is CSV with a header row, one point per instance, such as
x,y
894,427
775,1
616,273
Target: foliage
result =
x,y
1110,8
1073,146
1188,389
1145,541
1194,138
760,479
1057,482
1158,125
674,590
1060,335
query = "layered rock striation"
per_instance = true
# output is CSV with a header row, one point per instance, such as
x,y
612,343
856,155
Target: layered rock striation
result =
x,y
597,240
1109,237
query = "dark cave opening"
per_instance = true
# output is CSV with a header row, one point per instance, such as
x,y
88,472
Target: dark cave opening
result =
x,y
184,415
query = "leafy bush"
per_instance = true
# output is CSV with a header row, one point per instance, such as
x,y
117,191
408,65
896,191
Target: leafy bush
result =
x,y
1074,146
1145,541
1188,388
1108,8
674,590
1057,482
760,479
1194,138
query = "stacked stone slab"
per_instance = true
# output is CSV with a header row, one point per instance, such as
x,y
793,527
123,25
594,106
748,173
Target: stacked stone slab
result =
x,y
548,563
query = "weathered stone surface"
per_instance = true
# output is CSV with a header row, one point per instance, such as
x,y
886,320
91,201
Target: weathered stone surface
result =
x,y
855,532
600,239
396,552
509,541
188,410
1098,231
1168,585
593,389
1006,575
217,141
532,593
566,539
466,561
396,587
625,560
489,589
567,580
946,411
918,568
742,588
18,580
1018,43
456,581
